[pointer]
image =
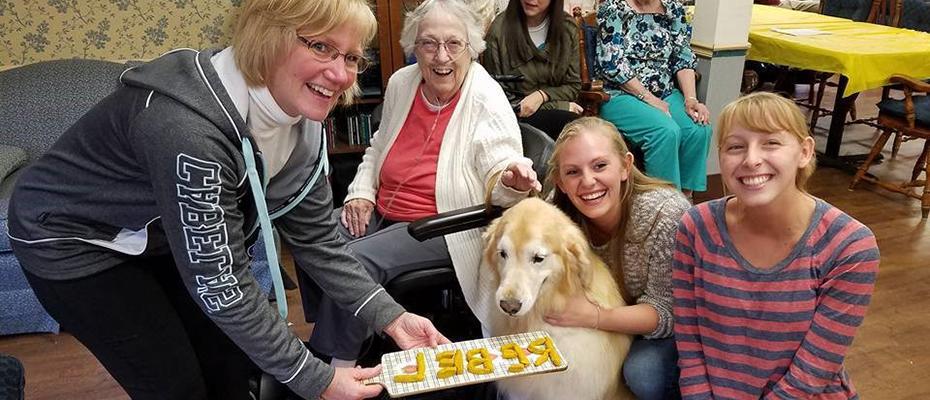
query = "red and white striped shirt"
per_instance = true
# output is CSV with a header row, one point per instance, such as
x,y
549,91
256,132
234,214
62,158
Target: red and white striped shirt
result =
x,y
774,333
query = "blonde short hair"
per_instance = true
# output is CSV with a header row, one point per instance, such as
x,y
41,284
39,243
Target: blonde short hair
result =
x,y
267,30
768,113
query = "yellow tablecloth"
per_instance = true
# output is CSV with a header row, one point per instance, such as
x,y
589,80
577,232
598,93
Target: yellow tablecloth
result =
x,y
867,54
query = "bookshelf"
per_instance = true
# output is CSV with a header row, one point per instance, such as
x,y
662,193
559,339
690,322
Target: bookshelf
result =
x,y
345,153
349,128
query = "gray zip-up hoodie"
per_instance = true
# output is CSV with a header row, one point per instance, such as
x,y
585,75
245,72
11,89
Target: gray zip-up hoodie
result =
x,y
158,167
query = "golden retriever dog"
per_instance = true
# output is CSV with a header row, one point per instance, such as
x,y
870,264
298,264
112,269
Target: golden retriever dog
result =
x,y
541,259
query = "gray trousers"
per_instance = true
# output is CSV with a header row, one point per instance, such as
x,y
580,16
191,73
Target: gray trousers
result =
x,y
386,251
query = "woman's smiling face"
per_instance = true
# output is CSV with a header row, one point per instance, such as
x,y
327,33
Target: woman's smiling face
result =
x,y
303,85
442,72
759,167
591,174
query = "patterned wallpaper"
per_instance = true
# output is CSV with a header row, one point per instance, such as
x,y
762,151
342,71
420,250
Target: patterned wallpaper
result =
x,y
38,30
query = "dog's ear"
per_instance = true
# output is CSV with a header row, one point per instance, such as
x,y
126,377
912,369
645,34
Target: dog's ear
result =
x,y
578,261
491,236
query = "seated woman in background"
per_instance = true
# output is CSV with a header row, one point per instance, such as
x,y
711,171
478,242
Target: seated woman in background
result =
x,y
800,5
538,41
643,50
770,283
447,140
630,220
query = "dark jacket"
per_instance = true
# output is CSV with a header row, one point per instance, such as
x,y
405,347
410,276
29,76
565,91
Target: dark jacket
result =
x,y
555,74
157,167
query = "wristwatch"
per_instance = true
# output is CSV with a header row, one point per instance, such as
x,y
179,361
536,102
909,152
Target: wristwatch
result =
x,y
641,95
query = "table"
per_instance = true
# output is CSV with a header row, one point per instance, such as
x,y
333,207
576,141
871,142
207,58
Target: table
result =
x,y
864,55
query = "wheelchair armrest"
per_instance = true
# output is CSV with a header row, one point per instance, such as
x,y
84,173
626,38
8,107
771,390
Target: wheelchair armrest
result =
x,y
507,78
453,221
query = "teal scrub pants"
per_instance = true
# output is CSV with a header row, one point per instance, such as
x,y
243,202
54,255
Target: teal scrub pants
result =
x,y
675,149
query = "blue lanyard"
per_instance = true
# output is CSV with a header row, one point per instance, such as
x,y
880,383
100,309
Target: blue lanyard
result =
x,y
264,222
264,219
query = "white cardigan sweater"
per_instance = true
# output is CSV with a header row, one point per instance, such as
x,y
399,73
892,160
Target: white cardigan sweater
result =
x,y
482,139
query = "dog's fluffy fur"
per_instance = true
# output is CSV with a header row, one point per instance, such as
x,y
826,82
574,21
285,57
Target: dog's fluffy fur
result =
x,y
541,258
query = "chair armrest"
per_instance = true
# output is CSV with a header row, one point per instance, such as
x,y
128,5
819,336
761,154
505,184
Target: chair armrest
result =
x,y
591,98
453,221
595,85
915,84
505,78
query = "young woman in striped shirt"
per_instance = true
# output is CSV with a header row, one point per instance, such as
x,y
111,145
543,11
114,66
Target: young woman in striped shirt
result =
x,y
770,283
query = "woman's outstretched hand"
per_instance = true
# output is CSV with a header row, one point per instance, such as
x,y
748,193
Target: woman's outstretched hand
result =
x,y
411,331
520,177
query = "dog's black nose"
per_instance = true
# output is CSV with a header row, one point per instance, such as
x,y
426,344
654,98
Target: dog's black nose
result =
x,y
511,306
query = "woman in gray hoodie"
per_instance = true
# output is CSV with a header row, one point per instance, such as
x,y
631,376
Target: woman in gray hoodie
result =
x,y
134,229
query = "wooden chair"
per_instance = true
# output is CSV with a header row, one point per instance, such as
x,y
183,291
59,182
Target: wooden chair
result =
x,y
910,117
907,14
592,93
872,11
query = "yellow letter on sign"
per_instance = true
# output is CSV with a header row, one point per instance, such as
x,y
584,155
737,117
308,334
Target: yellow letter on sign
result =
x,y
418,376
479,362
512,350
546,351
450,364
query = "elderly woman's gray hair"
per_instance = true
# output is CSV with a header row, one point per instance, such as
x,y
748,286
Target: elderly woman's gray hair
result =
x,y
461,10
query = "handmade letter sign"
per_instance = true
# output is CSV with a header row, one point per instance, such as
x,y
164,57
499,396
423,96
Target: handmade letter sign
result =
x,y
464,363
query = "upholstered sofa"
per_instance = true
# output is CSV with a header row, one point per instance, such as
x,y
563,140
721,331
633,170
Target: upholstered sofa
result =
x,y
38,102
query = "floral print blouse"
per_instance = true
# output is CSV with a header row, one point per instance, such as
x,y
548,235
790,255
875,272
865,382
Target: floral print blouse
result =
x,y
650,47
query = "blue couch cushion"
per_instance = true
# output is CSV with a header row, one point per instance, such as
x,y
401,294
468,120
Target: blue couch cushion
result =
x,y
896,108
27,315
40,101
11,158
21,311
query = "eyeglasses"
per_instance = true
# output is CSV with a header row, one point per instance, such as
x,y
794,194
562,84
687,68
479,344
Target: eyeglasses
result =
x,y
453,46
324,52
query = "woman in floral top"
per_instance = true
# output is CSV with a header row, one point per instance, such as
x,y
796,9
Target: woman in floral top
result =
x,y
643,51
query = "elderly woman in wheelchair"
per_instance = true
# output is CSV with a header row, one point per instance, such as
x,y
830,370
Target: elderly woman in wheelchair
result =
x,y
447,140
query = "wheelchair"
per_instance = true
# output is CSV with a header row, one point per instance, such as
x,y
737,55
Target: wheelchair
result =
x,y
435,293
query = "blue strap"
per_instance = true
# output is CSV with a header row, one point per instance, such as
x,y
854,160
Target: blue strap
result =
x,y
265,222
322,167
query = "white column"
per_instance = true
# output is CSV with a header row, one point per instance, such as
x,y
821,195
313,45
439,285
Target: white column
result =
x,y
720,38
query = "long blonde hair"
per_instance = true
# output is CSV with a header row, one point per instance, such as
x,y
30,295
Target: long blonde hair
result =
x,y
769,113
637,183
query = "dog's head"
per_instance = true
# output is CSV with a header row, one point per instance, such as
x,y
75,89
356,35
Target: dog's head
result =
x,y
537,252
